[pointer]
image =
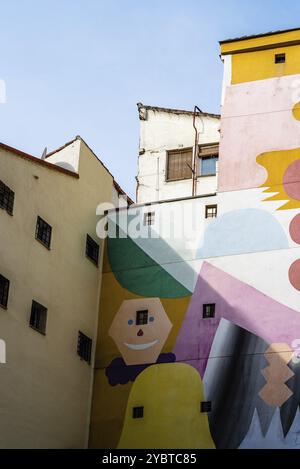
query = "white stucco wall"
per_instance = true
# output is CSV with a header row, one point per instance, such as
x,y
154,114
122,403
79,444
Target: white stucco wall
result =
x,y
163,131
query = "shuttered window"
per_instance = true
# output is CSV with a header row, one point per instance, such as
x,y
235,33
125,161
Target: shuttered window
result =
x,y
179,164
208,159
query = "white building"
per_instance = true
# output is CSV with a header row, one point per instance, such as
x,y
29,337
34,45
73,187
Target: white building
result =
x,y
167,155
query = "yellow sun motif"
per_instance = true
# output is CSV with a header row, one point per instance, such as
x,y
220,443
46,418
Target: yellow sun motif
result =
x,y
276,163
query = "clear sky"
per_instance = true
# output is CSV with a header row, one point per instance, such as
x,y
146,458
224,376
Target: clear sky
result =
x,y
80,66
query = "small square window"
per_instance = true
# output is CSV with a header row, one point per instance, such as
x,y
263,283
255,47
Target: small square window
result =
x,y
279,58
4,289
206,406
84,347
141,317
7,197
138,412
211,211
92,249
209,310
43,232
208,165
149,218
38,317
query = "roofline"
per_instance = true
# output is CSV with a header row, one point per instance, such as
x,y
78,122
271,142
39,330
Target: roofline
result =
x,y
39,161
254,36
177,111
116,185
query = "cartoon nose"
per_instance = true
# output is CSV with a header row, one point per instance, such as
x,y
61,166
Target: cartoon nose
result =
x,y
140,333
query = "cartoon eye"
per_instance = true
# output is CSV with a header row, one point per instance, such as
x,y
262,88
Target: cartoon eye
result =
x,y
151,319
130,322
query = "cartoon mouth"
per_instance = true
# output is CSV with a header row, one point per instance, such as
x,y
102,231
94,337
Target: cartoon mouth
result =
x,y
141,346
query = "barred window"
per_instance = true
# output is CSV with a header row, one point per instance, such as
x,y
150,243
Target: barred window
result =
x,y
179,164
209,311
149,218
84,347
43,232
38,317
138,412
141,317
211,211
4,289
7,197
92,249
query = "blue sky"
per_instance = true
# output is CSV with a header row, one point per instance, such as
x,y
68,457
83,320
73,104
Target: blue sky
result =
x,y
80,66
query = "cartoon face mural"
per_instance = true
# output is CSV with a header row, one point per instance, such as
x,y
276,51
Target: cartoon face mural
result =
x,y
140,329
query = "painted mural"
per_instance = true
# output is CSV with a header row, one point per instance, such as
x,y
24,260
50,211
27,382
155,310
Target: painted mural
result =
x,y
168,374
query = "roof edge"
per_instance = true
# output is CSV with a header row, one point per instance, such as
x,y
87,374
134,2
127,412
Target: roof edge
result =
x,y
177,111
254,36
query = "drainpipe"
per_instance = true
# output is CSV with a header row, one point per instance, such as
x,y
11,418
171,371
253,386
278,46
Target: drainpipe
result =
x,y
195,153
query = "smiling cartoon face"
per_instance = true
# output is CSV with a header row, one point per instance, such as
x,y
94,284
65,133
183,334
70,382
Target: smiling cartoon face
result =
x,y
140,329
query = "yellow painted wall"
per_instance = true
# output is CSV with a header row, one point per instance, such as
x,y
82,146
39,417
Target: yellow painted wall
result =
x,y
45,387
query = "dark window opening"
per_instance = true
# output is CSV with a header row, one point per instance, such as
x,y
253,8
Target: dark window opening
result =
x,y
179,164
92,250
141,317
138,412
149,218
279,58
7,197
211,211
43,232
205,406
4,289
209,310
38,317
84,347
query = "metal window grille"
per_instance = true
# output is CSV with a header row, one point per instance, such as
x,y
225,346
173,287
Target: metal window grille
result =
x,y
43,232
209,310
4,289
7,197
138,412
211,211
179,164
141,317
92,249
84,347
149,218
279,58
38,317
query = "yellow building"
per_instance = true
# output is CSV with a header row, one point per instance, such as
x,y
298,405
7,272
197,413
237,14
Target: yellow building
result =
x,y
50,278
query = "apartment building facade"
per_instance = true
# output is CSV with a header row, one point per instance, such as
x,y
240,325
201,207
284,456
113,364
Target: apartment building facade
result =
x,y
199,332
50,280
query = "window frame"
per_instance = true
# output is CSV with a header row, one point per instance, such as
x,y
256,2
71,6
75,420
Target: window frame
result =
x,y
5,295
38,308
86,355
49,229
90,241
211,305
207,207
177,150
9,193
149,216
141,313
212,151
138,412
278,57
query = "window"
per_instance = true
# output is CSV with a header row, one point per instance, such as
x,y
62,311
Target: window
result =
x,y
149,218
7,197
279,58
138,412
141,317
206,406
84,347
211,211
92,250
209,310
208,158
4,288
43,232
38,317
179,164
